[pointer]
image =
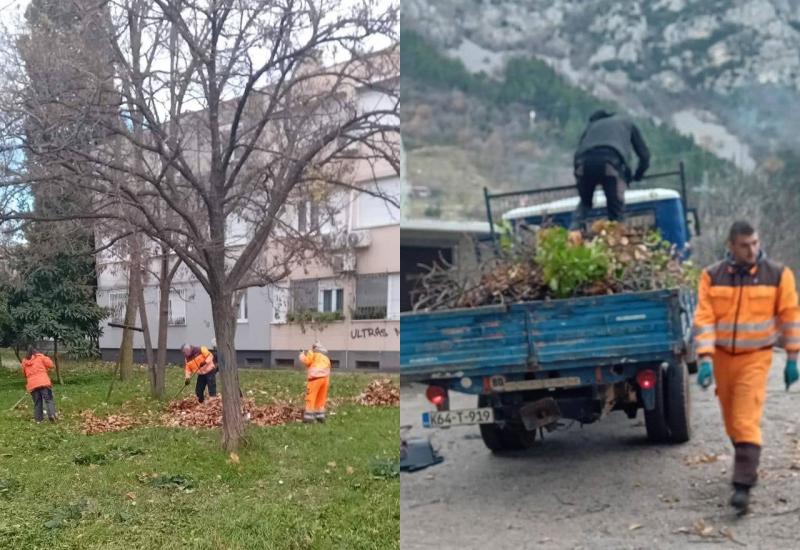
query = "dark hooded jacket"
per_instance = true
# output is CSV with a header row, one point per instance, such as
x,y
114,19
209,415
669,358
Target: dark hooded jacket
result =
x,y
612,132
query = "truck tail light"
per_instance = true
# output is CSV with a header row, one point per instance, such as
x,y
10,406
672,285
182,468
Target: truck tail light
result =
x,y
646,379
436,395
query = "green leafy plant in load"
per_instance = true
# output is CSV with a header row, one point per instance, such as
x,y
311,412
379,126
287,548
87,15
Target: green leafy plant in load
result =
x,y
567,268
505,236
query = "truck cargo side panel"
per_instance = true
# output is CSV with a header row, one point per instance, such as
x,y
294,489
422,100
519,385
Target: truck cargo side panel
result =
x,y
637,327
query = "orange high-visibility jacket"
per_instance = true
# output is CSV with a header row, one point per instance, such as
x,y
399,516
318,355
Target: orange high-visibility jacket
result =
x,y
35,371
202,362
742,310
317,364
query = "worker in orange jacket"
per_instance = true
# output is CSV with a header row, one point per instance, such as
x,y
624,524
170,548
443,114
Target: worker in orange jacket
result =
x,y
745,304
318,370
34,368
201,361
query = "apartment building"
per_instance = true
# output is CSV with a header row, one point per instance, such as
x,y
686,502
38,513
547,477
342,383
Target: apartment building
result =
x,y
349,300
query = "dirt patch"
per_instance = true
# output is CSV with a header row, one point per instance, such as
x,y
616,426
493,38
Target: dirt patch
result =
x,y
380,393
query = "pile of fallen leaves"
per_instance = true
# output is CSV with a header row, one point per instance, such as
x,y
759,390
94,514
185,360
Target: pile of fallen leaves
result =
x,y
613,258
275,414
112,423
188,413
379,393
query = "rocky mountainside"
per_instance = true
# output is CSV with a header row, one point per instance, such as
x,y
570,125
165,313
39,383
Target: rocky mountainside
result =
x,y
726,72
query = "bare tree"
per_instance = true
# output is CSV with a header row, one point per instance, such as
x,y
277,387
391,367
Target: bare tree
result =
x,y
234,115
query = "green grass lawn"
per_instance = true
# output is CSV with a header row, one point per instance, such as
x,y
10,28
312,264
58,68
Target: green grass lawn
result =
x,y
295,486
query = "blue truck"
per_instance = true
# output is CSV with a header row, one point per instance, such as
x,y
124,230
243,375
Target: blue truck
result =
x,y
532,365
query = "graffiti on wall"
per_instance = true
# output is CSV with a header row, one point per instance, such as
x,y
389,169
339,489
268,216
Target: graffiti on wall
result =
x,y
367,333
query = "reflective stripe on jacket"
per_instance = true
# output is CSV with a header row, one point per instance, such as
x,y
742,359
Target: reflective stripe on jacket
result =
x,y
317,364
35,371
202,362
742,310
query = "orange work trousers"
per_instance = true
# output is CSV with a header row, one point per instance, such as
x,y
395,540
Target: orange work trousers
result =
x,y
317,394
742,388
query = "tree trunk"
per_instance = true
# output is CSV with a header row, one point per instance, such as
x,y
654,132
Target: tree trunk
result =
x,y
55,360
225,331
126,347
164,284
148,344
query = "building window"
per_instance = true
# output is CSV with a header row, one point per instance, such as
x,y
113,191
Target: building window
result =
x,y
308,216
393,299
302,217
371,297
280,304
118,301
242,315
304,295
331,297
374,210
177,308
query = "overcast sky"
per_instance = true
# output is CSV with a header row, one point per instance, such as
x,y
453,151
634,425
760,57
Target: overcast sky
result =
x,y
12,6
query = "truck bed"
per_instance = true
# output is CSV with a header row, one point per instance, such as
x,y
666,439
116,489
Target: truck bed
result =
x,y
639,327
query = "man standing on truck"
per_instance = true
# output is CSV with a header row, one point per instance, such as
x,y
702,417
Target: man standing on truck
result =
x,y
745,303
604,158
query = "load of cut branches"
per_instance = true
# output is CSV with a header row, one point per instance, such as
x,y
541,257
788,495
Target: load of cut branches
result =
x,y
612,259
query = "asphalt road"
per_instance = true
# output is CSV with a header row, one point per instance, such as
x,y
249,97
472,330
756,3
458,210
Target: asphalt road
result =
x,y
603,485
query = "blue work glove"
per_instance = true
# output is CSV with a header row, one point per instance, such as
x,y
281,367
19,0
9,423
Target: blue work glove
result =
x,y
790,374
705,374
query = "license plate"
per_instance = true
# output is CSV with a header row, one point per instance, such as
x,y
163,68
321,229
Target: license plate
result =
x,y
499,383
464,417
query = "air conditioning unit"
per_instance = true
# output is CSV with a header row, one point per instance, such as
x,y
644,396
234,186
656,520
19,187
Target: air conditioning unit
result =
x,y
344,263
359,239
334,241
329,241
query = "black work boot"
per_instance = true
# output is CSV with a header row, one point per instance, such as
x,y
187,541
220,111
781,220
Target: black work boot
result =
x,y
741,498
745,474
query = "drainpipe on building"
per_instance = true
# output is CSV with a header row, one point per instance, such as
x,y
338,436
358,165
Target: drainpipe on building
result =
x,y
350,326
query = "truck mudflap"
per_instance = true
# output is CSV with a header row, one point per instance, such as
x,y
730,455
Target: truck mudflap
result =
x,y
539,414
649,398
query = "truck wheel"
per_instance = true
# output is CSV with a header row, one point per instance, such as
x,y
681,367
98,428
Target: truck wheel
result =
x,y
656,420
509,438
677,403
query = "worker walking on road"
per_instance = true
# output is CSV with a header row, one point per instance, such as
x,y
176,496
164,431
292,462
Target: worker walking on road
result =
x,y
318,369
200,361
603,158
34,368
745,303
